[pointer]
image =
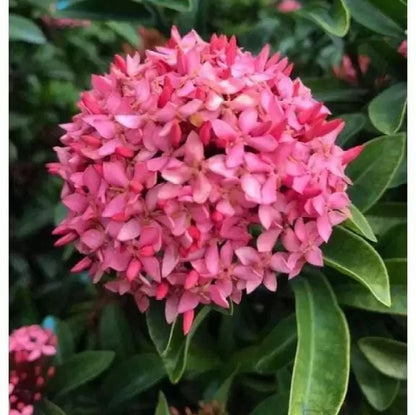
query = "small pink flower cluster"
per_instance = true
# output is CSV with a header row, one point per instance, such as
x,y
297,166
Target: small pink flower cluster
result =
x,y
346,71
172,161
288,6
30,351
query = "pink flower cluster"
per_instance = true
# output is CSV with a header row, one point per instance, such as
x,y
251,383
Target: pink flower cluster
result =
x,y
346,71
173,160
30,351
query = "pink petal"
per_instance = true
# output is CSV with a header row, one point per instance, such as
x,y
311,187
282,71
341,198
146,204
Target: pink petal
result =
x,y
251,188
130,230
170,259
171,309
314,257
247,120
279,262
223,130
93,238
194,149
213,101
235,156
324,227
268,190
201,188
217,296
270,281
212,259
290,241
188,302
267,240
247,255
152,267
105,128
115,206
115,174
188,318
129,121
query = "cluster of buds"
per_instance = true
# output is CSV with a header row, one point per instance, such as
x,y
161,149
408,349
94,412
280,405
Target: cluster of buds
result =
x,y
346,71
30,351
172,161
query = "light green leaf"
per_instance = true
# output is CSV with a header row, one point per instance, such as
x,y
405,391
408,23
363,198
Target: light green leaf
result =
x,y
334,19
379,390
115,333
80,369
353,256
178,5
354,123
21,28
374,169
50,408
388,356
359,224
321,369
162,405
383,216
387,110
170,343
275,351
372,17
131,377
355,295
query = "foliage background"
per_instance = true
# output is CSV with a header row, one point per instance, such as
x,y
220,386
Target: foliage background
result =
x,y
245,359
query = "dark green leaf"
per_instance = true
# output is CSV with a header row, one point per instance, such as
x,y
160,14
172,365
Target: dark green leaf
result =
x,y
333,90
374,18
131,377
353,256
80,369
171,344
273,405
354,123
162,405
335,19
359,224
375,168
178,5
49,408
321,369
379,390
115,333
355,295
21,28
383,216
393,244
388,356
387,110
65,348
126,30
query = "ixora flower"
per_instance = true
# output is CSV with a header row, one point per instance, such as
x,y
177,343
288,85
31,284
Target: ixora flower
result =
x,y
346,71
30,351
173,160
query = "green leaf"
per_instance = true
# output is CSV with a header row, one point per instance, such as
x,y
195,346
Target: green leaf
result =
x,y
379,390
383,216
273,405
162,405
374,18
171,344
65,349
131,377
321,369
374,169
400,177
354,123
355,295
359,224
21,28
221,395
387,110
104,10
335,19
126,30
388,356
333,90
178,5
115,333
50,408
275,351
393,244
353,256
80,369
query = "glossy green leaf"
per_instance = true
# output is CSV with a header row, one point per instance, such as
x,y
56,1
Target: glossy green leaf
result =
x,y
400,177
374,18
131,377
355,295
374,169
354,123
273,405
65,348
178,5
162,407
115,333
104,10
388,356
127,31
335,19
80,369
379,390
383,216
50,408
387,110
333,90
170,342
321,369
393,244
359,224
21,28
275,351
221,394
351,255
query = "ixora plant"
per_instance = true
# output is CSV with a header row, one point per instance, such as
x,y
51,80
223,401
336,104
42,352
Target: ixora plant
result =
x,y
236,232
